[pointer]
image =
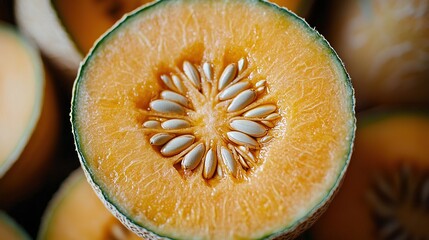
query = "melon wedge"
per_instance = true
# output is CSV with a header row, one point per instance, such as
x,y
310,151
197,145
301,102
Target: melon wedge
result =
x,y
10,230
29,118
385,192
213,120
76,213
66,30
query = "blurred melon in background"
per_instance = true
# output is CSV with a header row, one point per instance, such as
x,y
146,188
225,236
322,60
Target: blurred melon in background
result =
x,y
76,213
66,30
10,230
28,118
385,47
385,194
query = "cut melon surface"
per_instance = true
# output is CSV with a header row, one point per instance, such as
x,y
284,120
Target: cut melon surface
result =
x,y
76,213
21,95
29,118
385,192
66,30
262,163
10,230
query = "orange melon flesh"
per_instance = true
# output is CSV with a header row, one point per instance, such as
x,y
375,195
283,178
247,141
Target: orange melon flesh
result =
x,y
302,164
9,230
384,142
95,17
77,213
20,96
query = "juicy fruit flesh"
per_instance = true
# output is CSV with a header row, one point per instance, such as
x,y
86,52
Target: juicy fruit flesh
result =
x,y
77,213
18,86
381,148
303,161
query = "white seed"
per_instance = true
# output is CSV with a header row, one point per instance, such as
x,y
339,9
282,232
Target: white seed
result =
x,y
242,100
233,90
193,157
260,111
243,151
177,144
219,171
260,83
242,139
118,231
167,81
243,162
268,124
178,83
175,124
265,139
228,160
207,68
210,164
249,127
242,64
166,106
160,139
227,76
260,90
192,74
175,97
152,124
272,116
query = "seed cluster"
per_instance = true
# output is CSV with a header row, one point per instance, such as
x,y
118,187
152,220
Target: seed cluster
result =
x,y
171,131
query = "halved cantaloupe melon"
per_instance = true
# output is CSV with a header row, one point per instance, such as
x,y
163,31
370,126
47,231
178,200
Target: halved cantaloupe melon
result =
x,y
66,30
76,213
9,230
385,194
213,120
384,46
29,120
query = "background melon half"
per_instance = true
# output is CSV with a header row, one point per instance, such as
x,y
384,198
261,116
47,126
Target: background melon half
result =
x,y
386,189
66,30
213,120
10,230
76,213
29,117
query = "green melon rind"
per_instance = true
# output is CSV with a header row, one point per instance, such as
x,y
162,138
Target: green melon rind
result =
x,y
66,188
40,86
5,219
287,232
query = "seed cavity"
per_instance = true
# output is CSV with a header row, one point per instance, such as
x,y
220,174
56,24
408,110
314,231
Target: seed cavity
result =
x,y
174,120
227,76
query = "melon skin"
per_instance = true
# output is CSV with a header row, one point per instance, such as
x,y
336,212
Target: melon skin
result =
x,y
387,139
22,173
288,232
10,230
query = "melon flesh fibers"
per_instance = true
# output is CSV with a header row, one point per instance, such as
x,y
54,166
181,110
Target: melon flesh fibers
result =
x,y
296,168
